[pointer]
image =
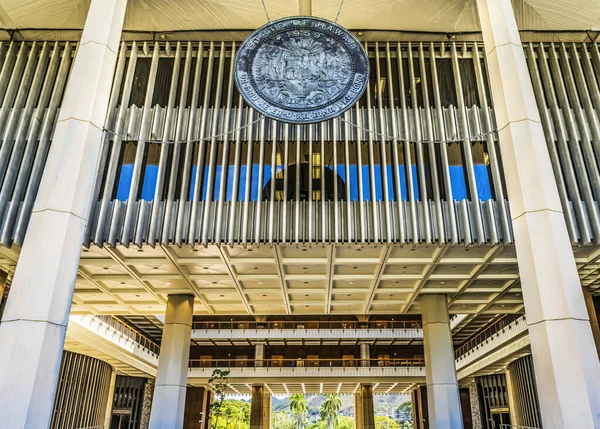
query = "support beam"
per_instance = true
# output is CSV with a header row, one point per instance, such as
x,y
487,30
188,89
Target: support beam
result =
x,y
564,354
33,328
168,404
442,384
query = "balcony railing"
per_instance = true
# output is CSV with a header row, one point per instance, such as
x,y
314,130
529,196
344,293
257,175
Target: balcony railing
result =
x,y
125,331
381,324
306,363
493,330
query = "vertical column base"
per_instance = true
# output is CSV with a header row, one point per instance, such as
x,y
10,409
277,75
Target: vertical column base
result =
x,y
31,368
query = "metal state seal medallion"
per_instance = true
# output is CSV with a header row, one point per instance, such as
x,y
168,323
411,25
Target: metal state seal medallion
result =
x,y
301,70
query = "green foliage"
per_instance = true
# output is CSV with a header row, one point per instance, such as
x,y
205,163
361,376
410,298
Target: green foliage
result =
x,y
299,409
282,420
233,414
218,382
330,409
404,415
384,422
343,422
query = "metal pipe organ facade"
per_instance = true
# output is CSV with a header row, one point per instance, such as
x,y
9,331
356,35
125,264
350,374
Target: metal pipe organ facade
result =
x,y
271,182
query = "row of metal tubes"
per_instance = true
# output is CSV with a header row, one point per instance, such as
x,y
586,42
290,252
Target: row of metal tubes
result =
x,y
521,373
75,398
574,154
30,80
146,125
329,231
438,50
325,131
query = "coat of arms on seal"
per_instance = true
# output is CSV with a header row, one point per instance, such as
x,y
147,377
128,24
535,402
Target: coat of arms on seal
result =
x,y
301,70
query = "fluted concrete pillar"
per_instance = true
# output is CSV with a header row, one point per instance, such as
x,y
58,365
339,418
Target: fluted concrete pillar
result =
x,y
365,355
364,411
259,355
34,323
260,408
440,370
565,358
110,399
168,404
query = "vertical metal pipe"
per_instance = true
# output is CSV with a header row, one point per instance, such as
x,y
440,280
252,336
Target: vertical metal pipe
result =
x,y
382,148
298,180
394,146
286,168
44,145
199,179
225,155
164,150
568,176
248,188
24,124
359,175
271,214
336,210
439,117
419,146
570,154
7,68
18,183
192,134
214,145
261,166
14,75
13,111
115,149
466,146
130,211
407,153
491,146
435,180
180,134
350,218
236,173
324,218
310,183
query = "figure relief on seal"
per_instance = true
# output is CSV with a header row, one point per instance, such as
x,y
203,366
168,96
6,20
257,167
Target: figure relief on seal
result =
x,y
302,70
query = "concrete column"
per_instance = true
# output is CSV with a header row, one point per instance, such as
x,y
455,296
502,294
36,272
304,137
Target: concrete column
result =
x,y
110,399
591,309
34,323
260,408
365,355
442,385
475,407
147,404
259,355
367,408
358,410
171,380
266,410
565,358
512,399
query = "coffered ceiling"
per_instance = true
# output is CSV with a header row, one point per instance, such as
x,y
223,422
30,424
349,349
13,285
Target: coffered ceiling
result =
x,y
406,15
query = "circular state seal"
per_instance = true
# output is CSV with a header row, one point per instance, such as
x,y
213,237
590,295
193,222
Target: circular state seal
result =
x,y
301,70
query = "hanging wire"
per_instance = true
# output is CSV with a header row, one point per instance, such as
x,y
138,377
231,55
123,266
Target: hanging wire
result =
x,y
267,13
454,139
339,11
216,136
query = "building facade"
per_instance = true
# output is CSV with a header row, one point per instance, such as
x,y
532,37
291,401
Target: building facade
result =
x,y
439,239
